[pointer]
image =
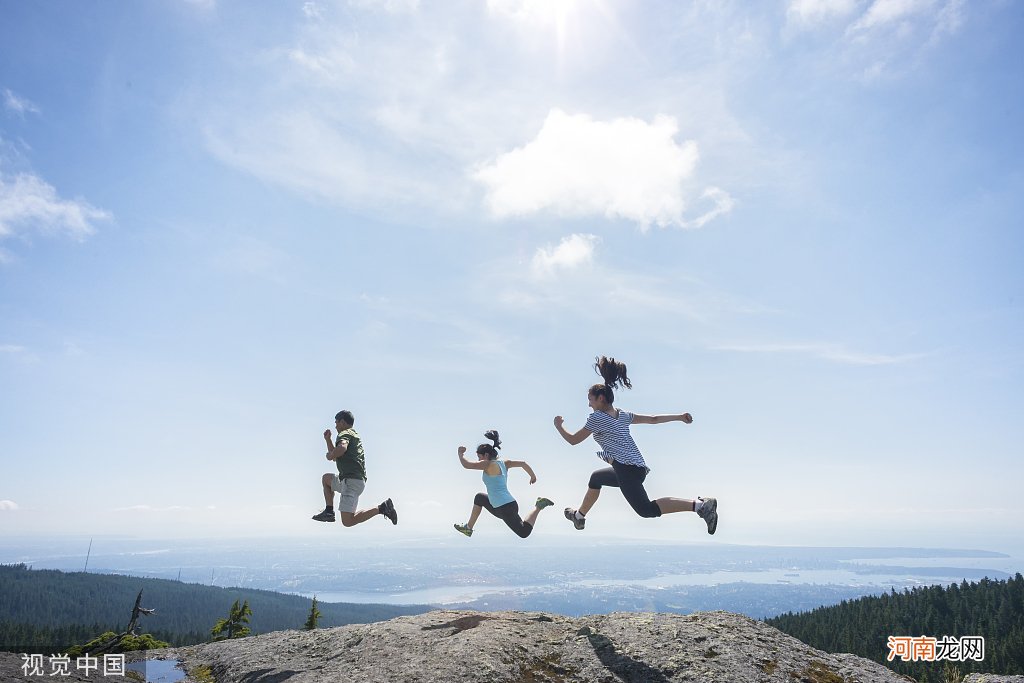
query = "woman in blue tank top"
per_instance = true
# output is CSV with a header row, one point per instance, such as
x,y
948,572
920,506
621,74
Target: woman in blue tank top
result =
x,y
498,501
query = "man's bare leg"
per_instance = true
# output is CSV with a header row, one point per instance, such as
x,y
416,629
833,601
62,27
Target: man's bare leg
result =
x,y
353,518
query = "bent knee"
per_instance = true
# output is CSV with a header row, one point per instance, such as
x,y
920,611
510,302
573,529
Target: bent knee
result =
x,y
327,479
648,511
348,519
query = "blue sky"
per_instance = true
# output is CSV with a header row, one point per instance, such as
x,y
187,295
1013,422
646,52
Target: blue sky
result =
x,y
798,220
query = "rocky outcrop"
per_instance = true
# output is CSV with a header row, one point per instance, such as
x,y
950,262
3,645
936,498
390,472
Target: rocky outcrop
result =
x,y
519,647
525,647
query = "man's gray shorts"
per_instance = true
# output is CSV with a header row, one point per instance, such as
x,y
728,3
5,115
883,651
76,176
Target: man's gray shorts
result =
x,y
350,489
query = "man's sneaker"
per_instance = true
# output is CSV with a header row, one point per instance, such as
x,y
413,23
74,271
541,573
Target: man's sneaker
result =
x,y
543,503
463,529
570,515
325,516
709,513
387,508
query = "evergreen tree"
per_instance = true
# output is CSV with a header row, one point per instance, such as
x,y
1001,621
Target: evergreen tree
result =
x,y
314,616
235,624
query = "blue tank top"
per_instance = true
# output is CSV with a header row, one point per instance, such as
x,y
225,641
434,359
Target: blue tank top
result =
x,y
497,487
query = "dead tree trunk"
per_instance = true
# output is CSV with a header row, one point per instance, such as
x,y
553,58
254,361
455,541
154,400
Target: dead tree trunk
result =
x,y
111,643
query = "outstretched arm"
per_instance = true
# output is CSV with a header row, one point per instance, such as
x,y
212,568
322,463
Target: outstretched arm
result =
x,y
525,465
658,419
573,439
469,464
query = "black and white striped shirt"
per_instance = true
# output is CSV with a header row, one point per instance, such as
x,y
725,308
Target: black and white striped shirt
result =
x,y
612,435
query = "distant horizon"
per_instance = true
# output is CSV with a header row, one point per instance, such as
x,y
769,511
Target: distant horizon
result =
x,y
750,579
440,541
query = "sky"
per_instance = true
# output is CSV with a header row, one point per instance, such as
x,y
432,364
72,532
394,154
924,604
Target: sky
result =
x,y
798,220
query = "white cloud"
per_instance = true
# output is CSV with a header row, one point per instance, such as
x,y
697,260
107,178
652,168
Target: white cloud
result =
x,y
73,349
256,258
313,154
8,505
29,203
885,12
535,12
17,104
894,36
389,6
572,252
204,5
311,10
150,508
720,204
949,21
808,13
881,39
831,352
390,114
587,291
15,351
327,66
625,168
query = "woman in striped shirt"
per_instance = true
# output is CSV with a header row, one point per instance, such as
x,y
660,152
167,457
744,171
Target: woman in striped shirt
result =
x,y
610,429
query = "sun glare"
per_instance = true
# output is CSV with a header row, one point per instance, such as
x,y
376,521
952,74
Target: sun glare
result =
x,y
553,15
549,12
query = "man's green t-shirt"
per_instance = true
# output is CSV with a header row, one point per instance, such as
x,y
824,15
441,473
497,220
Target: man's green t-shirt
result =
x,y
351,465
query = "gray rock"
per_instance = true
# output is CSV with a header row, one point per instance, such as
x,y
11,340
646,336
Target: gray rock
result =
x,y
523,647
520,647
992,678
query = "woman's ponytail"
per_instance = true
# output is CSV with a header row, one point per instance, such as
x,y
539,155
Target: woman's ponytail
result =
x,y
491,451
614,374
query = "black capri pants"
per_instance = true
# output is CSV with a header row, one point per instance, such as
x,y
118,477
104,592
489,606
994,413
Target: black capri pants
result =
x,y
630,480
508,513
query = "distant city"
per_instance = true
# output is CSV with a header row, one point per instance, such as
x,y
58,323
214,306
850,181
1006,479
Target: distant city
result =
x,y
758,581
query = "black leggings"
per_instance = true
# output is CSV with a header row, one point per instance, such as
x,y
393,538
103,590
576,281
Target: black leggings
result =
x,y
630,480
508,513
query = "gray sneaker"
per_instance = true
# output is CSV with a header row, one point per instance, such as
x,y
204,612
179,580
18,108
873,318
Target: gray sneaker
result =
x,y
709,513
570,515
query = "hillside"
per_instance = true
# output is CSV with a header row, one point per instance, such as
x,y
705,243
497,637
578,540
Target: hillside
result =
x,y
47,602
993,610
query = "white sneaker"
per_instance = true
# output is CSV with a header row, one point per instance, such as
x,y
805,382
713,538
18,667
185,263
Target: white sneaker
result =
x,y
570,515
708,511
